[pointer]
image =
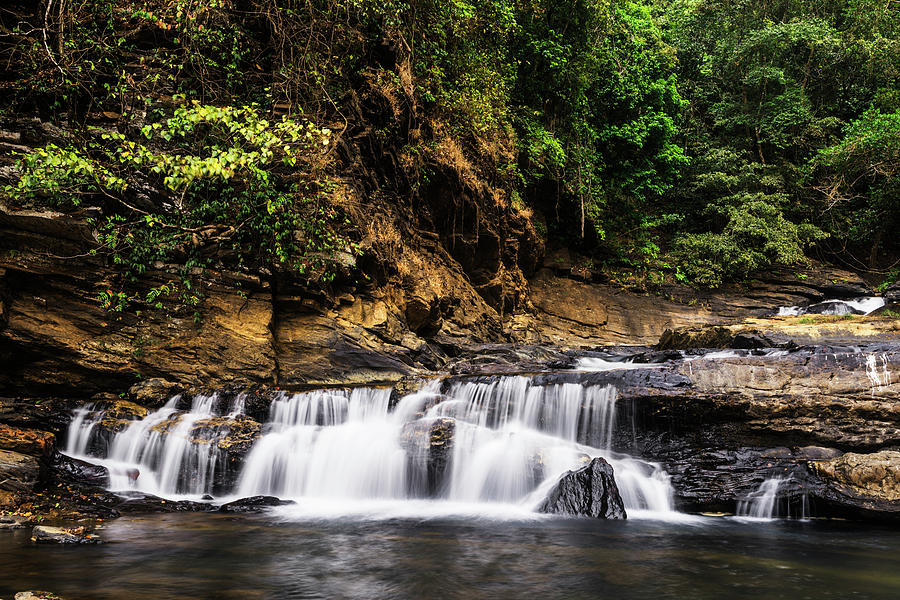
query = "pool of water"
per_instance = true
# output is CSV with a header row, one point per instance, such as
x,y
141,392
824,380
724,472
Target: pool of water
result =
x,y
281,555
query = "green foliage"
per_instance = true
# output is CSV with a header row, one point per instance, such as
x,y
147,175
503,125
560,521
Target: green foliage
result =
x,y
703,139
232,185
756,235
598,118
770,85
860,177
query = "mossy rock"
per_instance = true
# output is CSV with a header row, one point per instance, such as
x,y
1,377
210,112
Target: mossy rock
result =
x,y
119,414
235,435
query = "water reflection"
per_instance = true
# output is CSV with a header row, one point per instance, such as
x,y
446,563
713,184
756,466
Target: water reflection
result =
x,y
213,556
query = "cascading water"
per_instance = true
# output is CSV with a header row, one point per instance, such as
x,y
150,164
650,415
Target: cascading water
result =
x,y
503,441
760,504
158,454
880,376
80,430
864,306
776,497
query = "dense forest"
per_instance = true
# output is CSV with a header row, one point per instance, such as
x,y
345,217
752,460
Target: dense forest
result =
x,y
689,140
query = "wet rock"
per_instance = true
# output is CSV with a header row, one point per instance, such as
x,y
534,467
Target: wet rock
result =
x,y
115,415
26,441
119,414
18,472
65,469
696,337
37,595
405,386
153,391
136,502
751,340
430,444
235,435
14,522
45,414
816,453
590,491
43,534
253,504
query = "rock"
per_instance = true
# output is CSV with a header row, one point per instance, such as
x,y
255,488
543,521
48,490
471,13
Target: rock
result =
x,y
590,491
45,414
785,332
43,534
37,595
875,475
18,472
750,340
136,502
153,391
430,444
405,386
830,307
14,522
74,471
696,337
26,441
115,415
236,435
892,293
119,414
253,504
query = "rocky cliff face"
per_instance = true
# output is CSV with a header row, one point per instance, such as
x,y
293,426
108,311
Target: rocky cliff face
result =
x,y
267,328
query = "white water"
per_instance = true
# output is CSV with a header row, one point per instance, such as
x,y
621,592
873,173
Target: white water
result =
x,y
878,374
865,305
760,504
157,454
347,451
80,430
593,363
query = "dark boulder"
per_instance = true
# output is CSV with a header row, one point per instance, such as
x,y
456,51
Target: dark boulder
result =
x,y
253,504
64,469
136,502
590,491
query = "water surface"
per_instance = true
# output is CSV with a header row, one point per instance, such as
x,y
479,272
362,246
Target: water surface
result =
x,y
283,555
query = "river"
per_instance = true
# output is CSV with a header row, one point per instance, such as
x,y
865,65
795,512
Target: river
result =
x,y
281,555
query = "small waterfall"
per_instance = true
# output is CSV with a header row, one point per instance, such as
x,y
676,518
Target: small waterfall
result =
x,y
504,440
879,376
860,306
159,454
760,504
81,429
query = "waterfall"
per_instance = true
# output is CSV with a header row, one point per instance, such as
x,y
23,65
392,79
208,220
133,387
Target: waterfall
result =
x,y
159,454
81,429
880,377
501,441
760,504
863,305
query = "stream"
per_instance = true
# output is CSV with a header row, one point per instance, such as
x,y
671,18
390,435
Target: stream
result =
x,y
280,555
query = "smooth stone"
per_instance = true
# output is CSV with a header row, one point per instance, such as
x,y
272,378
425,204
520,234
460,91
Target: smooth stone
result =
x,y
43,534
